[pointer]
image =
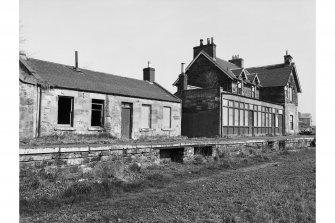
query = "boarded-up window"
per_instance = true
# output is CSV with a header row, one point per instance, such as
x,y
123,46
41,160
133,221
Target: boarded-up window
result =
x,y
97,112
224,116
166,117
65,110
146,116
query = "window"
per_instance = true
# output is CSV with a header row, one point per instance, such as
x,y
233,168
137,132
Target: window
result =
x,y
146,116
166,117
236,117
231,117
276,120
97,117
239,87
253,91
291,122
246,118
224,116
65,110
241,117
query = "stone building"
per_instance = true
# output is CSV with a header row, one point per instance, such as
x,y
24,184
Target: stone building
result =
x,y
305,121
57,98
223,98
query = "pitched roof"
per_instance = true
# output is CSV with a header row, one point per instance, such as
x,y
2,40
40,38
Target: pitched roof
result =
x,y
64,76
273,75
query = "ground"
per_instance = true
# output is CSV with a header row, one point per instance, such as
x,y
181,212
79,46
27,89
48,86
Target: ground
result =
x,y
277,188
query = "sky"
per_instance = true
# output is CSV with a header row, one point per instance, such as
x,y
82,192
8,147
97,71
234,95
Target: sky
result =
x,y
120,37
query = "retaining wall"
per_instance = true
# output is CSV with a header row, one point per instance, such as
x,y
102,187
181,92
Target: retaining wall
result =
x,y
148,154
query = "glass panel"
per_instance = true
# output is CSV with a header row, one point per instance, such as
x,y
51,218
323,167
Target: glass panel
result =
x,y
224,116
241,105
255,119
276,120
231,117
235,117
246,106
236,104
259,119
166,117
241,117
224,102
231,103
246,118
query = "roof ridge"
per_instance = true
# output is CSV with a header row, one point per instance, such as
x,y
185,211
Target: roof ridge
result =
x,y
266,66
83,69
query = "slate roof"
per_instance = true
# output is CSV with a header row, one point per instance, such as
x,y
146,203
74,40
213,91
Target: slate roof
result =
x,y
64,76
273,75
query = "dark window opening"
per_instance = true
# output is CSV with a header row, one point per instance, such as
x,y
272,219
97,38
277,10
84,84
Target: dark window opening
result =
x,y
271,144
172,154
291,122
65,110
282,144
204,151
97,118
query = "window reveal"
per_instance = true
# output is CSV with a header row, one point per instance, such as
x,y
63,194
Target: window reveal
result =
x,y
166,117
146,116
65,110
97,116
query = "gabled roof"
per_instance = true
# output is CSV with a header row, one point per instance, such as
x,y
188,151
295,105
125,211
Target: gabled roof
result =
x,y
223,65
64,76
275,75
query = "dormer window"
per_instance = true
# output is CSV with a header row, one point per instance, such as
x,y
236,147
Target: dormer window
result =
x,y
253,91
239,87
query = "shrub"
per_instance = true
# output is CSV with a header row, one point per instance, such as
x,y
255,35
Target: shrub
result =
x,y
198,159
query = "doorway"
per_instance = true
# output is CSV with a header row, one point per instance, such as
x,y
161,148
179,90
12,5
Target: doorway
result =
x,y
126,120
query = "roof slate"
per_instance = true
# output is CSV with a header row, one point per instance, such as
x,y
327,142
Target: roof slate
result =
x,y
272,75
64,76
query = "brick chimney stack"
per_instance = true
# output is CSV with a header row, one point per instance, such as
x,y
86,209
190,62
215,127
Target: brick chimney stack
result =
x,y
182,82
149,73
237,61
287,58
209,48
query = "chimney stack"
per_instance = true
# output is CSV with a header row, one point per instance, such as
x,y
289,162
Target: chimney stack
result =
x,y
182,82
149,73
237,61
76,60
287,59
210,48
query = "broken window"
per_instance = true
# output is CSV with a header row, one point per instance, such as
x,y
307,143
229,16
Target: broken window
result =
x,y
65,110
146,116
166,117
97,117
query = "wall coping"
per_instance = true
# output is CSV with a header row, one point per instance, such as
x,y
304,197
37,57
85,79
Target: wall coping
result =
x,y
30,150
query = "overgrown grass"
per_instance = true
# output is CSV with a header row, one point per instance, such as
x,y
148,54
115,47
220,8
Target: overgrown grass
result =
x,y
103,138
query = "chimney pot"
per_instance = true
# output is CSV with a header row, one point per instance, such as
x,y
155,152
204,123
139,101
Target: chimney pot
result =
x,y
208,42
201,42
212,40
182,68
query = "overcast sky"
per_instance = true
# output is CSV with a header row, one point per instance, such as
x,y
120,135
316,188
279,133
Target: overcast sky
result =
x,y
119,37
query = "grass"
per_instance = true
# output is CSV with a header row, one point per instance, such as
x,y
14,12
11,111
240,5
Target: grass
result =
x,y
261,188
103,138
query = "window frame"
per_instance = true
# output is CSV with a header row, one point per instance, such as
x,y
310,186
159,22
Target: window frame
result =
x,y
149,116
102,111
170,119
71,110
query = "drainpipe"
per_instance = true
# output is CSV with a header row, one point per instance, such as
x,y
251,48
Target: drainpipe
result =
x,y
39,111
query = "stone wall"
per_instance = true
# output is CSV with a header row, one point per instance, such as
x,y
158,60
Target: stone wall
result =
x,y
149,154
28,110
112,118
201,112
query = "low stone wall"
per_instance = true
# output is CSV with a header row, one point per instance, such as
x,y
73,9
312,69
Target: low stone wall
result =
x,y
148,154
